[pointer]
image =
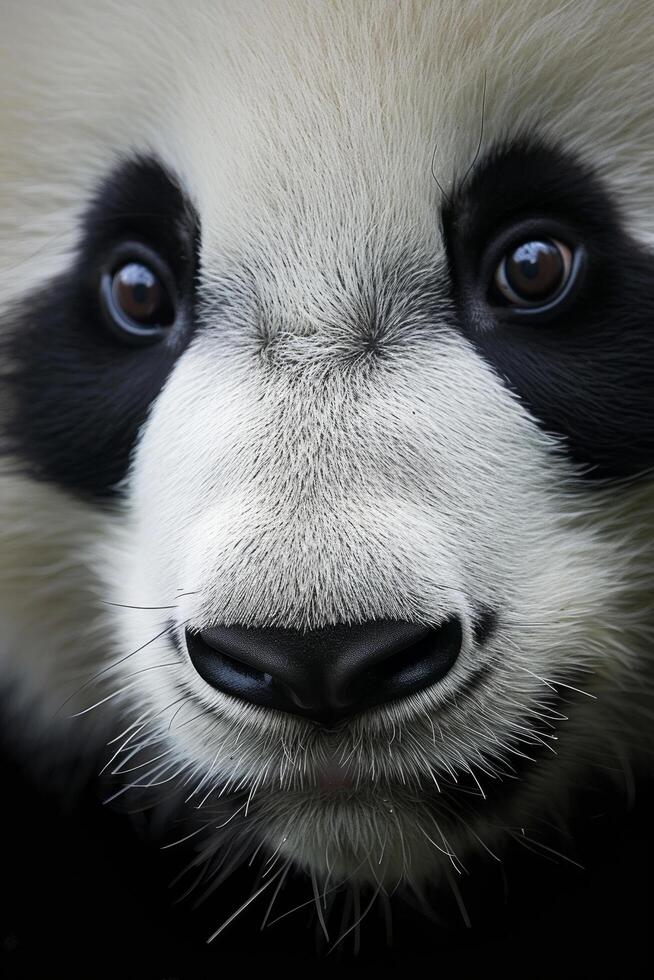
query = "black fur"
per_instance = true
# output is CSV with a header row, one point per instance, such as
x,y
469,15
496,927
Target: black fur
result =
x,y
586,373
78,396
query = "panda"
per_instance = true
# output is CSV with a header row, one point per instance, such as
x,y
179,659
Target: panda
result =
x,y
327,418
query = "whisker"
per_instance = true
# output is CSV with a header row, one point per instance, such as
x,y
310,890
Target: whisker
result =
x,y
245,905
358,919
124,605
279,887
481,134
117,663
438,183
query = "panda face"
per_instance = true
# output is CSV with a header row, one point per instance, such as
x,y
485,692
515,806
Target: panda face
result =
x,y
341,395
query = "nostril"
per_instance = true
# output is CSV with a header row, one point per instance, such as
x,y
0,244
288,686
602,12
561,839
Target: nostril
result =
x,y
225,673
418,666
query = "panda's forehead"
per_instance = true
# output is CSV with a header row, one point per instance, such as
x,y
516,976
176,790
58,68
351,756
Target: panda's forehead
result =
x,y
291,113
299,130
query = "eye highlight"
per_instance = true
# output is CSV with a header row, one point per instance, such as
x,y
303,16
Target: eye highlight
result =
x,y
138,295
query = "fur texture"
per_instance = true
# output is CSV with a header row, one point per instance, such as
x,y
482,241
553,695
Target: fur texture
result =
x,y
330,447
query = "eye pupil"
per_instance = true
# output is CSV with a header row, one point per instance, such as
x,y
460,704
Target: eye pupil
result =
x,y
140,293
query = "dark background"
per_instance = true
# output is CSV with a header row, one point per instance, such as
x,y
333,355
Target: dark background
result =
x,y
86,893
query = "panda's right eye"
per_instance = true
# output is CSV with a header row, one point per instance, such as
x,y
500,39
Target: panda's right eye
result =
x,y
138,295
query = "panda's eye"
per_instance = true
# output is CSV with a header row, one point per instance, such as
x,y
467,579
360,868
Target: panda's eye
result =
x,y
535,274
137,295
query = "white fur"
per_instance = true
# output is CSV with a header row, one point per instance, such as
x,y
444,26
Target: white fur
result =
x,y
285,476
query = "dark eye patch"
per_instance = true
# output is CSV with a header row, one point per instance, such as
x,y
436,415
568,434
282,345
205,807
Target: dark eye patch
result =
x,y
586,374
77,396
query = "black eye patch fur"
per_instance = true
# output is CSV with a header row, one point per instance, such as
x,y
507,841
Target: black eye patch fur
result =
x,y
78,397
588,373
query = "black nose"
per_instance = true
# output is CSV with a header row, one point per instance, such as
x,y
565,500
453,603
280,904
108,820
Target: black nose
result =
x,y
325,674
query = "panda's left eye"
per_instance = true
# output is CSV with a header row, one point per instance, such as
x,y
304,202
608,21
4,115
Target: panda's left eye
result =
x,y
534,273
138,295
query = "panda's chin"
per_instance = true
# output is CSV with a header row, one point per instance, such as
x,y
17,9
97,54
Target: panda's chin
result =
x,y
375,836
367,830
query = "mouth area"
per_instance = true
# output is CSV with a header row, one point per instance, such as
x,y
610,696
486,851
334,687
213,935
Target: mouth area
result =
x,y
339,770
